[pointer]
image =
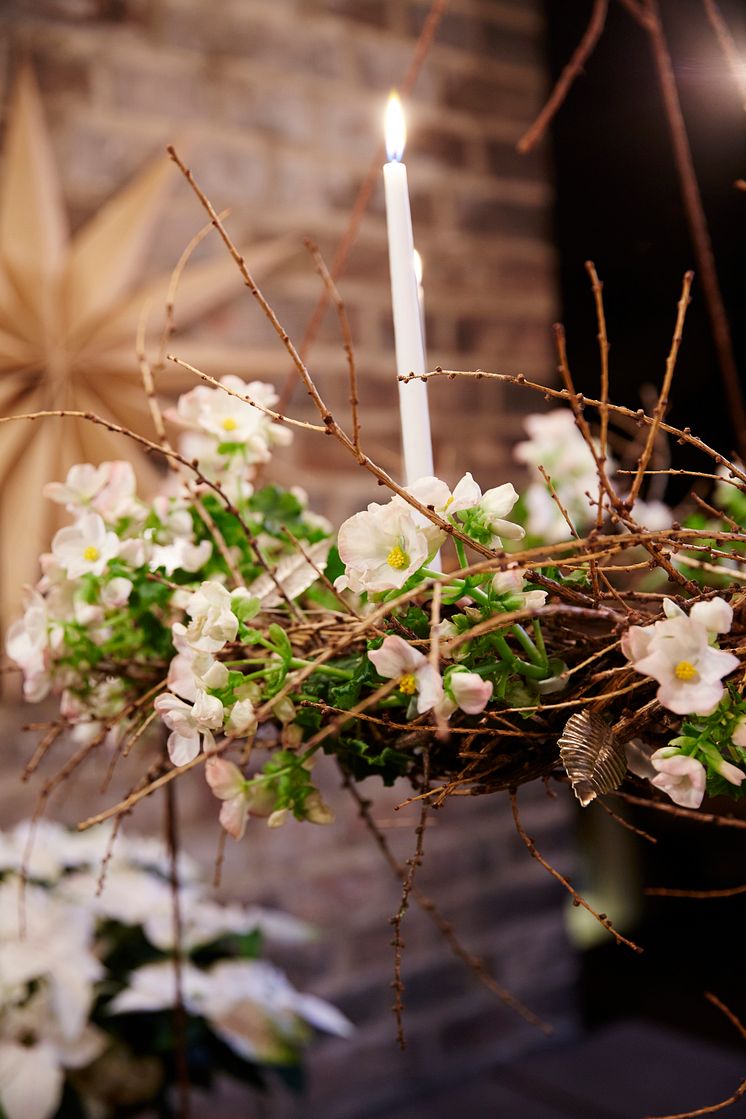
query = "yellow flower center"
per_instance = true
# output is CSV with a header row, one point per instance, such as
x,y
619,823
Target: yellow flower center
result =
x,y
408,684
91,553
686,672
229,424
397,558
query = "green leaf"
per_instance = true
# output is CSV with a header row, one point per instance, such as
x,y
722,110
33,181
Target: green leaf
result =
x,y
281,641
415,618
245,608
334,566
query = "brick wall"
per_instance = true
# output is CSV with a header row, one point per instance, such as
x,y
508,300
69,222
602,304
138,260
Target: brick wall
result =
x,y
279,106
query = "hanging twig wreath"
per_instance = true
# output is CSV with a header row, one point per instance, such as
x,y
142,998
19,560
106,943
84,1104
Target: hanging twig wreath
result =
x,y
578,632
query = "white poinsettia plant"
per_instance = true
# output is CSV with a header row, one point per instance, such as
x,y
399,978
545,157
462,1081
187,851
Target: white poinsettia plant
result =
x,y
215,608
88,988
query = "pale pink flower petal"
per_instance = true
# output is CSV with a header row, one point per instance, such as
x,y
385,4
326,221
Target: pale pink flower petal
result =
x,y
224,778
233,816
470,691
429,687
730,772
739,734
684,779
396,658
716,615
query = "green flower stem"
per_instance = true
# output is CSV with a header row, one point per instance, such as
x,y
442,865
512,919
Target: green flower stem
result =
x,y
460,552
529,648
515,663
324,669
295,764
539,639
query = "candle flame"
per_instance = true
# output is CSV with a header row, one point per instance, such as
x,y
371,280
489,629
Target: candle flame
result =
x,y
418,266
395,127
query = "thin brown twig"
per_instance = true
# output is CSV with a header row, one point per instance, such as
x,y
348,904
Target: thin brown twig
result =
x,y
732,1018
625,823
602,919
407,886
603,349
180,1014
683,813
475,964
556,499
574,67
683,435
344,326
737,1095
664,892
662,404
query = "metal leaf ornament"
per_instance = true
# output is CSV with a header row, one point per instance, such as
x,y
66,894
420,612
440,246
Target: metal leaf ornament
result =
x,y
593,756
69,312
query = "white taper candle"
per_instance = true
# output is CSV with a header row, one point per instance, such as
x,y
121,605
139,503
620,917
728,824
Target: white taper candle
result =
x,y
410,350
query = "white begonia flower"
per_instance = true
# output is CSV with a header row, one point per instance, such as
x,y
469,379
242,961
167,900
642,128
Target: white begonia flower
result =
x,y
116,592
181,554
27,644
716,615
677,653
315,809
495,506
54,945
544,517
739,733
154,987
34,1055
85,547
397,660
435,494
241,722
190,671
470,691
241,798
128,896
730,772
683,778
191,725
231,420
555,443
688,669
382,546
82,484
117,497
213,623
512,582
635,642
653,515
136,551
248,1003
251,1005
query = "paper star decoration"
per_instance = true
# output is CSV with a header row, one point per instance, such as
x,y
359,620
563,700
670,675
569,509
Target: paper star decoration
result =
x,y
69,313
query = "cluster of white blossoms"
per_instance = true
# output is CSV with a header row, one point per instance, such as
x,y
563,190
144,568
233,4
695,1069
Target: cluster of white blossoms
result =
x,y
228,436
680,653
97,583
51,969
87,581
188,709
384,545
555,443
396,659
